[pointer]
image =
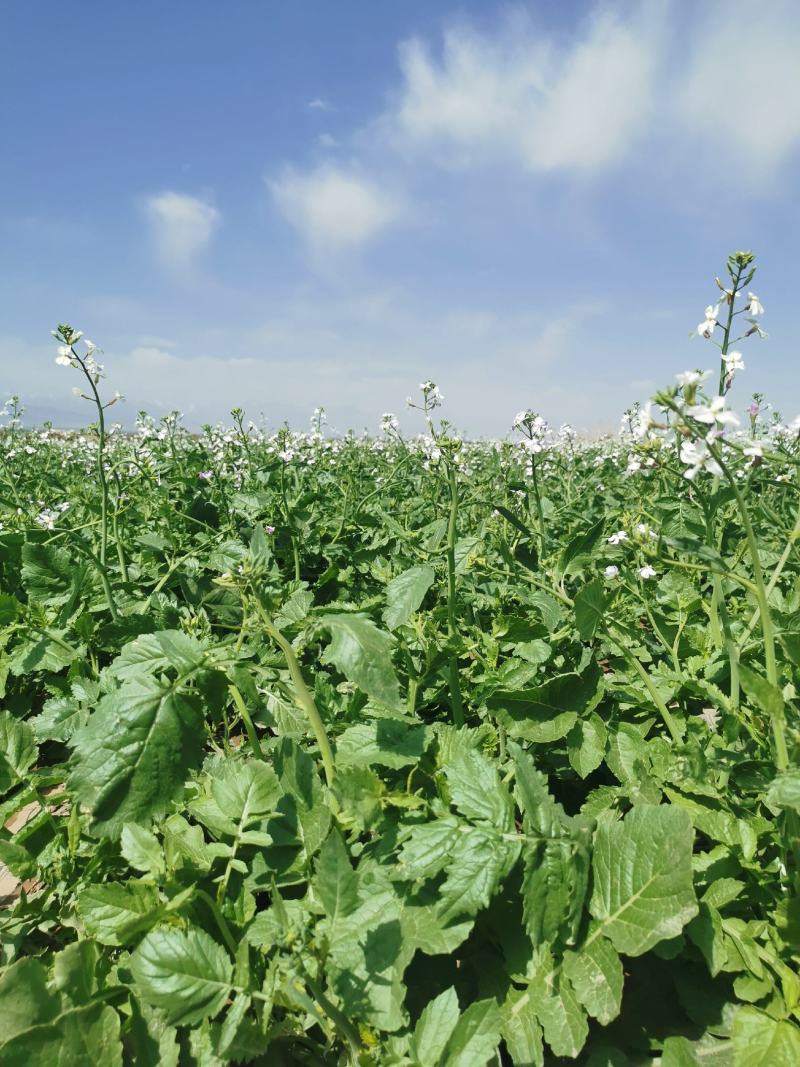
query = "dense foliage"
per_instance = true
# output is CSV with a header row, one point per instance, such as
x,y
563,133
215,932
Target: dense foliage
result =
x,y
402,751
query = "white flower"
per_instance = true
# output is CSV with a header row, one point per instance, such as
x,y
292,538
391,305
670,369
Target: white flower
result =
x,y
713,414
754,305
617,537
706,328
611,572
431,393
643,530
65,357
733,361
647,572
692,377
755,449
697,456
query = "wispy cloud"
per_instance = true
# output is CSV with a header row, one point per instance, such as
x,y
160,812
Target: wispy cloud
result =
x,y
516,96
335,209
739,94
181,227
319,104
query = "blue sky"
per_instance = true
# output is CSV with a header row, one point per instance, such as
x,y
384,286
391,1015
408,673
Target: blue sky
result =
x,y
289,204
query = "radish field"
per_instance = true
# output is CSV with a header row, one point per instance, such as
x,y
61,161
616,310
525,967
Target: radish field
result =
x,y
404,750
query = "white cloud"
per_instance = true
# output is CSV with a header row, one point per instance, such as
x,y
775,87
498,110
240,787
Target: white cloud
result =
x,y
517,96
333,208
739,95
181,228
318,104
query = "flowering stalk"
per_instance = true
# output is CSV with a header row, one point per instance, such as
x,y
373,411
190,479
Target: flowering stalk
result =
x,y
92,372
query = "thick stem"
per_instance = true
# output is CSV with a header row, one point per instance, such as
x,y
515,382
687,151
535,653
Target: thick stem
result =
x,y
305,700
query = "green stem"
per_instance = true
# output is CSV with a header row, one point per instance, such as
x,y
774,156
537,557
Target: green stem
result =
x,y
655,696
244,714
452,626
305,700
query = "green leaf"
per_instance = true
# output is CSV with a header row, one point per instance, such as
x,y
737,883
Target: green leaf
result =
x,y
363,654
246,791
476,789
595,973
48,573
336,883
590,605
643,890
547,712
579,547
405,593
784,791
149,653
133,756
141,849
117,913
74,971
86,1035
475,1038
25,1000
586,744
385,742
17,744
764,695
434,1027
521,1030
761,1041
184,973
562,1018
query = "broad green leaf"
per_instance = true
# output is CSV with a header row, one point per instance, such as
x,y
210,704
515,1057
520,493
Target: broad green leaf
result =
x,y
25,1000
184,973
86,1035
363,654
336,883
479,861
764,695
133,756
17,744
643,891
117,913
784,791
141,849
405,593
476,789
74,971
761,1041
561,1016
476,1036
579,547
383,742
547,712
595,973
246,790
590,605
149,653
434,1027
48,573
521,1030
586,744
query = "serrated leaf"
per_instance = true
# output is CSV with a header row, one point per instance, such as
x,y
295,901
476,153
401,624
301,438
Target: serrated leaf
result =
x,y
184,973
141,849
17,744
336,883
363,654
405,593
133,756
476,789
784,791
384,742
117,913
521,1030
562,1018
595,973
246,790
150,653
643,889
586,745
